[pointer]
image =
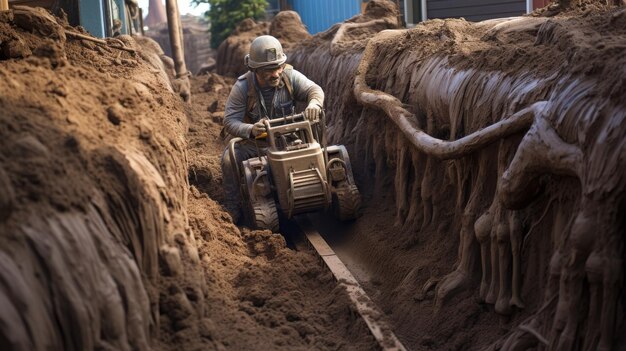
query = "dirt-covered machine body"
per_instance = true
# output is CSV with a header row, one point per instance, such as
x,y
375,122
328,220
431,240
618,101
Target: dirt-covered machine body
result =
x,y
297,163
296,174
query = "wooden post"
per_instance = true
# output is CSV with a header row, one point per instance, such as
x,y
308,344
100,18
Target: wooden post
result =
x,y
4,5
183,86
176,37
141,21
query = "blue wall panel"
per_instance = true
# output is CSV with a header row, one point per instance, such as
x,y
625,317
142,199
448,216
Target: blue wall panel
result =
x,y
319,15
92,17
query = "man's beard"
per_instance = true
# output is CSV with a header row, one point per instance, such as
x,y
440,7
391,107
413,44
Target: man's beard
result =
x,y
273,82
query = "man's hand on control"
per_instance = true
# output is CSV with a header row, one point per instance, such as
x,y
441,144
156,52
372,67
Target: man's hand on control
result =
x,y
312,112
258,128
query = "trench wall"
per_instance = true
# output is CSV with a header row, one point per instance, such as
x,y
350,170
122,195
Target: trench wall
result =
x,y
93,192
537,237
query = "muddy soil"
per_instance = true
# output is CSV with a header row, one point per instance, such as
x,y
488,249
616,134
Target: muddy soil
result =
x,y
111,233
474,246
278,296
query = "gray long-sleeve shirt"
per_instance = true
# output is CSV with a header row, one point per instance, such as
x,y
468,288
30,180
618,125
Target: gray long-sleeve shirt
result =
x,y
304,90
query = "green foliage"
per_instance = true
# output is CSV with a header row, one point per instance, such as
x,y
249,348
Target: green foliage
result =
x,y
224,15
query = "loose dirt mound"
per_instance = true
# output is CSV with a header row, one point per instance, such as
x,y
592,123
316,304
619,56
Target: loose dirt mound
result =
x,y
353,34
231,51
286,26
263,295
92,157
103,244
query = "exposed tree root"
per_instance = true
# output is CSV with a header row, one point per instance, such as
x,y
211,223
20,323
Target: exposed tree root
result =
x,y
99,41
502,253
541,151
589,258
407,121
499,148
335,44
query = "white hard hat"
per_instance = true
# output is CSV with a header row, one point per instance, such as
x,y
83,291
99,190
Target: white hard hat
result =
x,y
265,51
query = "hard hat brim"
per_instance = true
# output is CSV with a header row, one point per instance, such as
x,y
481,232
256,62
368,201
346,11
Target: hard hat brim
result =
x,y
271,64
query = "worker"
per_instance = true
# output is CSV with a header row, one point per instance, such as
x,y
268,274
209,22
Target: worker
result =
x,y
270,89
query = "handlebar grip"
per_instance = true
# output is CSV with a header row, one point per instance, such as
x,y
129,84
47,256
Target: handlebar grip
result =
x,y
287,118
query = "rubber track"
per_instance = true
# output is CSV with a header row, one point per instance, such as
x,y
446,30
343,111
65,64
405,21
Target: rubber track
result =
x,y
266,215
347,203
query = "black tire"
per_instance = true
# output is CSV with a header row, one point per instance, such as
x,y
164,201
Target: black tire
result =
x,y
265,214
347,203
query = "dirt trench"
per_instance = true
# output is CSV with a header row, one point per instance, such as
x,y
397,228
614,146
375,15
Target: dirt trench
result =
x,y
491,157
496,150
104,244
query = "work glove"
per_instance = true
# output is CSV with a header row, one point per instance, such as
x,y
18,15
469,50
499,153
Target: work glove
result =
x,y
312,112
258,128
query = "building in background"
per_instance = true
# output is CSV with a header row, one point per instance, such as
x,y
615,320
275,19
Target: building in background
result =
x,y
101,18
276,6
415,11
319,15
273,8
107,18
